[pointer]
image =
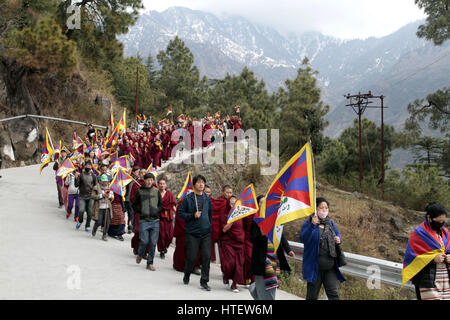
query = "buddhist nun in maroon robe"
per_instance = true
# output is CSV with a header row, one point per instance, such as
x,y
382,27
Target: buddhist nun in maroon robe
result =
x,y
165,217
231,250
220,206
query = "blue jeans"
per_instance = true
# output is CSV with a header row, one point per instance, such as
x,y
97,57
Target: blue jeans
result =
x,y
148,233
86,204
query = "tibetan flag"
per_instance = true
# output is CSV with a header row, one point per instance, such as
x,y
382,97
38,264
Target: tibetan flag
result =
x,y
423,246
152,170
114,157
181,118
112,140
120,180
76,155
59,181
95,169
66,168
57,151
245,205
80,145
47,152
158,142
187,188
237,109
122,122
217,114
120,163
291,195
169,110
111,117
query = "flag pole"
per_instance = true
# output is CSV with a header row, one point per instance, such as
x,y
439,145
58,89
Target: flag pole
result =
x,y
314,176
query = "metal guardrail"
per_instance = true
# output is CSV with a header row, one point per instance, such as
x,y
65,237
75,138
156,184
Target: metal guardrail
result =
x,y
50,118
363,266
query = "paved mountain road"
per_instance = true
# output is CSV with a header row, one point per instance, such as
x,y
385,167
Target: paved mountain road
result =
x,y
43,256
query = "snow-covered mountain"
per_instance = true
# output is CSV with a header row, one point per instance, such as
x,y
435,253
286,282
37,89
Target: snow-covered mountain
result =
x,y
399,66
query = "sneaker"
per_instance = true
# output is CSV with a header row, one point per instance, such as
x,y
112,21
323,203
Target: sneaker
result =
x,y
162,255
75,219
185,280
205,286
105,238
60,206
138,259
151,267
67,216
129,231
94,231
78,225
135,252
196,271
87,229
120,238
234,288
226,283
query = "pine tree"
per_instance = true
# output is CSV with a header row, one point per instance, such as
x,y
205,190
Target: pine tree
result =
x,y
302,112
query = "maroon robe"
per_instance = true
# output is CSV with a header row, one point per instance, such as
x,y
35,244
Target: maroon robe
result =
x,y
231,251
165,222
190,129
207,133
219,206
156,155
179,255
165,143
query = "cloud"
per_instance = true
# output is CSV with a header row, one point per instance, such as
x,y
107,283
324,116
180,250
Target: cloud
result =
x,y
344,19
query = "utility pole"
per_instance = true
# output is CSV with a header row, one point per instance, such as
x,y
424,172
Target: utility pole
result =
x,y
359,102
137,85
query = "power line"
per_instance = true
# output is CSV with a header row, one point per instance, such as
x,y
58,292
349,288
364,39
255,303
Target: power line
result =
x,y
413,74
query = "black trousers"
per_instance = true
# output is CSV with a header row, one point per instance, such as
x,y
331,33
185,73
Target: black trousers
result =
x,y
60,199
193,243
330,282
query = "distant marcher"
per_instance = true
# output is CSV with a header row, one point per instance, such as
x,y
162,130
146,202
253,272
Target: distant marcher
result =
x,y
62,158
102,209
427,256
73,194
148,204
320,236
196,210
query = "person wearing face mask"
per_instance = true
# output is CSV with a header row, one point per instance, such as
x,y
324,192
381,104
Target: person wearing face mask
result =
x,y
427,256
320,236
85,182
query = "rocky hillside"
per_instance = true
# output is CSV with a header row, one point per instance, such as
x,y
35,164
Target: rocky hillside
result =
x,y
83,98
368,227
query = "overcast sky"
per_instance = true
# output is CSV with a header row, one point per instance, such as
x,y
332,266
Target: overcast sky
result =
x,y
346,19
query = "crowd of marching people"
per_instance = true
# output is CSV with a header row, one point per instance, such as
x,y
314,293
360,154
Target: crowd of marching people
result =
x,y
145,208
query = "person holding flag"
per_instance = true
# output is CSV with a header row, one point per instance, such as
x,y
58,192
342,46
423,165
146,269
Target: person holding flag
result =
x,y
102,208
232,239
61,159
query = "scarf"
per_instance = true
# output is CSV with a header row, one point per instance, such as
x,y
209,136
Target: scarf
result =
x,y
327,237
272,271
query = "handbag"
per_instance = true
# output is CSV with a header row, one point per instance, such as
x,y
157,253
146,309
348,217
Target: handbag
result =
x,y
340,256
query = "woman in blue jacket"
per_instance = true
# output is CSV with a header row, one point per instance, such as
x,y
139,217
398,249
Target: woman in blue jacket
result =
x,y
320,237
